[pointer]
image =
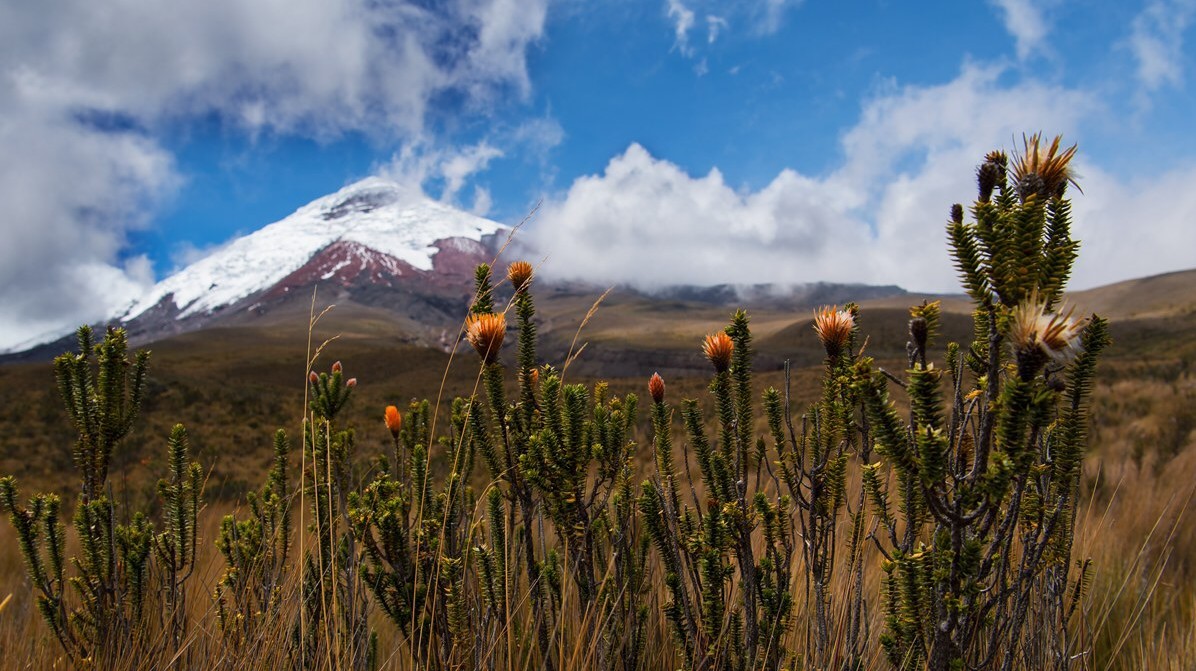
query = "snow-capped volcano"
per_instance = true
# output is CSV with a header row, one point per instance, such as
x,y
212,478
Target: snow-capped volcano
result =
x,y
374,226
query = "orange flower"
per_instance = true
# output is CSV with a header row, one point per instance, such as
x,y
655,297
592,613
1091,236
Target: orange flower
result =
x,y
313,378
718,348
486,332
394,421
336,367
833,327
656,388
520,274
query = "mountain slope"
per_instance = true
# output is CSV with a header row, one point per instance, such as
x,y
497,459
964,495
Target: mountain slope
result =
x,y
373,233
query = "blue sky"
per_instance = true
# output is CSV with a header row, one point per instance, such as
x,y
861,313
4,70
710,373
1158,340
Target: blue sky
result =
x,y
668,141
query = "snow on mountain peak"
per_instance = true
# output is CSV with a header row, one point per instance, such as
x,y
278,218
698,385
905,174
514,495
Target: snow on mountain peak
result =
x,y
374,213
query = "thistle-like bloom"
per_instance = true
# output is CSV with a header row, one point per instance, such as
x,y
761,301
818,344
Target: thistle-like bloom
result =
x,y
1055,334
1043,171
656,388
519,274
486,332
718,348
833,327
394,420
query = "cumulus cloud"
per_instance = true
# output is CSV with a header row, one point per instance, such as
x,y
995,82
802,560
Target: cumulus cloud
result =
x,y
878,216
88,87
1156,41
1133,228
1026,22
646,221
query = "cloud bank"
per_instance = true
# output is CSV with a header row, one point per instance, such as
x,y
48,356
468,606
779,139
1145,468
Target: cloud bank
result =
x,y
878,216
88,87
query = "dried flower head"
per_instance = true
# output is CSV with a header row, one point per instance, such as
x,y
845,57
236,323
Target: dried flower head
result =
x,y
919,332
519,274
1034,329
336,367
718,348
957,213
394,420
1043,171
486,332
656,388
833,327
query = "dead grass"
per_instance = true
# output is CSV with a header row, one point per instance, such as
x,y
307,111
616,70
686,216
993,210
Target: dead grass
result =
x,y
232,387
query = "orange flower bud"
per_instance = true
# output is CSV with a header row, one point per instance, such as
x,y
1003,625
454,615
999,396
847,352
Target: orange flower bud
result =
x,y
394,421
336,367
351,382
486,332
313,378
656,388
535,377
833,327
718,348
520,274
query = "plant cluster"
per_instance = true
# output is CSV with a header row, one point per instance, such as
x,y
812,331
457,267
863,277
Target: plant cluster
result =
x,y
525,532
98,613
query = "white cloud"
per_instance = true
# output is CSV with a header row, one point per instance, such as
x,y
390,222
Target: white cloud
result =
x,y
770,14
482,202
87,86
419,165
1026,22
536,136
646,221
1156,41
878,216
757,17
186,252
714,24
1133,228
683,22
70,196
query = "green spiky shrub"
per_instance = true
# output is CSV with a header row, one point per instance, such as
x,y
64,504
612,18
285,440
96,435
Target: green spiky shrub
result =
x,y
767,503
558,538
415,536
333,624
250,593
120,566
976,491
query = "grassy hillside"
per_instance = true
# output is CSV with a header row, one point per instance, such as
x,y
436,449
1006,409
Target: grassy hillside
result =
x,y
233,386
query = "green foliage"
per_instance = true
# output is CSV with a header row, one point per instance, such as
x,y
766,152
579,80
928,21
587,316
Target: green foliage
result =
x,y
255,550
979,541
333,617
119,566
